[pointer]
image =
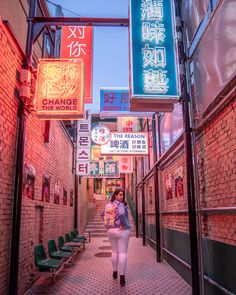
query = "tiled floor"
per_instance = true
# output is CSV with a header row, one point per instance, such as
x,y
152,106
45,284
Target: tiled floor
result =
x,y
93,275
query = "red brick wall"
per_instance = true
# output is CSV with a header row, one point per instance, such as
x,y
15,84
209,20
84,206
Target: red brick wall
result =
x,y
216,146
170,169
53,158
10,62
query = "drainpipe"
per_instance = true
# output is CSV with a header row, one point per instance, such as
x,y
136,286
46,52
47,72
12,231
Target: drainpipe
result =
x,y
143,205
189,158
17,203
136,200
76,179
157,207
159,134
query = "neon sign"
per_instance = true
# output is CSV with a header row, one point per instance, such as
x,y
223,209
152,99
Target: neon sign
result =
x,y
135,143
77,42
60,88
153,60
100,134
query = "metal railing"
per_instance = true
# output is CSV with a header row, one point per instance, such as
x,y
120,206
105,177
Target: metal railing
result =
x,y
131,204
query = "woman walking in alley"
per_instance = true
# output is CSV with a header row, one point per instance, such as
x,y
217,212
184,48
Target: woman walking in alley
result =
x,y
117,223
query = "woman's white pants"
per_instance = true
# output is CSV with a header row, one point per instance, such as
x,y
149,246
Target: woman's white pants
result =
x,y
119,240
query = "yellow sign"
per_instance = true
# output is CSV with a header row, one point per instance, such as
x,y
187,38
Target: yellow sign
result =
x,y
60,89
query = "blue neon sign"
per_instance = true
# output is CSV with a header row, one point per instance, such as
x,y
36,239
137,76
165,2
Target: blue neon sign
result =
x,y
153,60
114,100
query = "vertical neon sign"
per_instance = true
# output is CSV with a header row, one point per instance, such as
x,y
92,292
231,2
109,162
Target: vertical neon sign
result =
x,y
153,60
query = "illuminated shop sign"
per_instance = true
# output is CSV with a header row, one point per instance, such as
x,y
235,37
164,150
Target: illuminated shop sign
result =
x,y
126,164
100,134
76,42
115,102
153,60
60,87
126,144
127,124
110,169
83,144
94,169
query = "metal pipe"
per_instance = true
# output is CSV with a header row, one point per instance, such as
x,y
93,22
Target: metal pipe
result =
x,y
136,202
76,203
17,203
81,21
16,217
189,167
159,135
198,207
76,179
221,210
143,206
148,130
157,207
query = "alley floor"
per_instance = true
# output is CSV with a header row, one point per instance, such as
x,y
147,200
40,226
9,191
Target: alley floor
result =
x,y
93,275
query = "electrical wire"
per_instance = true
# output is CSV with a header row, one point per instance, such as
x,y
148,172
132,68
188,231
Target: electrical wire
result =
x,y
63,8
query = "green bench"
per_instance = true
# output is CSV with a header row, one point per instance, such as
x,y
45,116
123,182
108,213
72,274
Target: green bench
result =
x,y
58,254
72,239
76,232
47,267
62,246
73,248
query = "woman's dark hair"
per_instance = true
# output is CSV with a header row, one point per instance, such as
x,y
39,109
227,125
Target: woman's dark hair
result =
x,y
116,192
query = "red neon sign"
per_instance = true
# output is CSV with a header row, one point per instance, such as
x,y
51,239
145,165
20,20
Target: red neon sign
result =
x,y
76,42
60,87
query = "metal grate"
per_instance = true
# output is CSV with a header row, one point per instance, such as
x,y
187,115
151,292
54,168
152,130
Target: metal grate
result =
x,y
103,254
105,248
106,241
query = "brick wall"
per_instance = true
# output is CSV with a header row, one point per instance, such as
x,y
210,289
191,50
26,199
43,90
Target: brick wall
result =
x,y
54,159
40,220
10,62
217,171
169,200
216,145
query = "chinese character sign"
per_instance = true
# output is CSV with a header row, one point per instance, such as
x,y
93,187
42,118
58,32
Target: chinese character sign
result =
x,y
114,100
100,135
127,124
59,89
126,144
126,164
94,169
76,43
111,169
153,61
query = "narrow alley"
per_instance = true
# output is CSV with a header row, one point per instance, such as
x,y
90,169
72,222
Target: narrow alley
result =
x,y
93,275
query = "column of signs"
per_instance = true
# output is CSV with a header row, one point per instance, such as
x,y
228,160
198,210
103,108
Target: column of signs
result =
x,y
83,145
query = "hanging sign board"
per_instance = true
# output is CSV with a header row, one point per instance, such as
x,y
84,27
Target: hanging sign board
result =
x,y
126,164
100,134
115,102
83,144
153,58
76,42
135,143
94,169
60,89
110,169
127,124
